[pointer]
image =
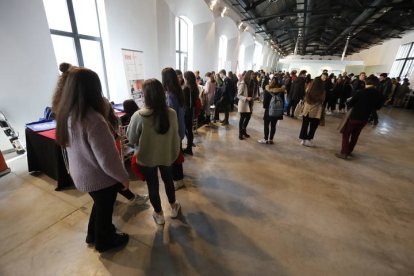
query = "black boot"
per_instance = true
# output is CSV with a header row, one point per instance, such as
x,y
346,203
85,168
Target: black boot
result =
x,y
245,134
188,150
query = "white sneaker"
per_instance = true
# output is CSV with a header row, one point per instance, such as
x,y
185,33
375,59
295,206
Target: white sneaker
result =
x,y
328,113
302,142
175,210
138,200
159,218
179,184
308,143
262,141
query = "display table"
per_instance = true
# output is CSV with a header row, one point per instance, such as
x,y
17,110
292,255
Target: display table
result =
x,y
44,155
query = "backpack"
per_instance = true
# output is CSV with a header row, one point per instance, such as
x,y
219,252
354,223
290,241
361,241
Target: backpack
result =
x,y
276,107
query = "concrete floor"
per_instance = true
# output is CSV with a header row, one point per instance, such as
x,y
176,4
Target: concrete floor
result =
x,y
248,209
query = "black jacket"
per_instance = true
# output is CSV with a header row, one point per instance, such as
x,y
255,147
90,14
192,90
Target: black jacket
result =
x,y
297,89
224,93
364,102
385,87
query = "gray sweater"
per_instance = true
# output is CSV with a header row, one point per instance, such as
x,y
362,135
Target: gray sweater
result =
x,y
94,161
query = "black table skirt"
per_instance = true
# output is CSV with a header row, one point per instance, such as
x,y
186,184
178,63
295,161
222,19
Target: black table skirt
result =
x,y
44,155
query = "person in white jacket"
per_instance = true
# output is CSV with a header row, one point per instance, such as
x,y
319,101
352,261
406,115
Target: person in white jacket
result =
x,y
245,91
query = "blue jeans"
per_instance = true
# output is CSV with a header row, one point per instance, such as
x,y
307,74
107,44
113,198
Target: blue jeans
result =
x,y
151,176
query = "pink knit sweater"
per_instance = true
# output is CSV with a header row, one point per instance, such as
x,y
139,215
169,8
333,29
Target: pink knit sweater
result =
x,y
94,162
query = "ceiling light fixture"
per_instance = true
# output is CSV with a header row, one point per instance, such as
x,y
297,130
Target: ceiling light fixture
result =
x,y
212,4
223,12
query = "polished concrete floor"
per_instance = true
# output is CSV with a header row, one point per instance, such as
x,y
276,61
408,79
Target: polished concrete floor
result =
x,y
248,209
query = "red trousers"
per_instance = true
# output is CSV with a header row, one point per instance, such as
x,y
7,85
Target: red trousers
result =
x,y
350,136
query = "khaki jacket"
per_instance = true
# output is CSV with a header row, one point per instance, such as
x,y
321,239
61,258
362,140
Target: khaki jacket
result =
x,y
243,105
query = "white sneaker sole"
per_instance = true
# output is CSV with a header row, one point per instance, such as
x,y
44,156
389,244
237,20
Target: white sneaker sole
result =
x,y
174,214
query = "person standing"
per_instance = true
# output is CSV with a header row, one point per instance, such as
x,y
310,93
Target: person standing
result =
x,y
154,132
274,89
210,90
175,100
93,161
297,92
312,110
245,93
401,93
191,93
224,98
363,104
344,94
358,83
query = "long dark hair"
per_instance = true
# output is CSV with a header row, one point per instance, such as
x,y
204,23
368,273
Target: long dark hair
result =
x,y
190,82
81,92
316,93
154,97
110,116
171,85
248,77
130,106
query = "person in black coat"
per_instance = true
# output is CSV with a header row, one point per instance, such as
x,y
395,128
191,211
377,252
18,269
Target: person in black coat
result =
x,y
297,92
271,90
223,100
363,104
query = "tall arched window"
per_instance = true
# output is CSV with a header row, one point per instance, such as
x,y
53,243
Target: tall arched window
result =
x,y
240,67
257,55
183,43
222,52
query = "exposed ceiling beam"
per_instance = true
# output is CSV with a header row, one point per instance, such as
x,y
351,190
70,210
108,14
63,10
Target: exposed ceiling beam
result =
x,y
254,5
290,13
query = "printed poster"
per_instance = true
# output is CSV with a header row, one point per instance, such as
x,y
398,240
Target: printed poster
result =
x,y
134,71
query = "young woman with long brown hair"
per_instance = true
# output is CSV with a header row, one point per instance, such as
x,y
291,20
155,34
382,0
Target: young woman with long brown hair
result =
x,y
191,93
312,110
245,95
94,162
154,132
175,100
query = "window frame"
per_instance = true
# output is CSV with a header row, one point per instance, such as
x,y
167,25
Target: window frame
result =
x,y
179,51
78,37
405,59
223,43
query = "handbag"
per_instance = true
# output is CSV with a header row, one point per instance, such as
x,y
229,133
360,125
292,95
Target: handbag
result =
x,y
136,168
180,159
299,109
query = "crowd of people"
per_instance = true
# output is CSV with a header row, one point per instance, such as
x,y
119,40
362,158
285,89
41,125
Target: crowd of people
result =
x,y
87,128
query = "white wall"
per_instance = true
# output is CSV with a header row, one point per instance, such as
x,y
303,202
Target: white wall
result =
x,y
28,70
205,47
315,67
131,25
233,52
196,10
166,35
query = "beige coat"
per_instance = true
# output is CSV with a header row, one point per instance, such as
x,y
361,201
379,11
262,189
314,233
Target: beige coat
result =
x,y
242,94
313,110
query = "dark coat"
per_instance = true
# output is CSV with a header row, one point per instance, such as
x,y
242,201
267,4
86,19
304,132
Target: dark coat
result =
x,y
364,102
297,89
267,97
385,87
